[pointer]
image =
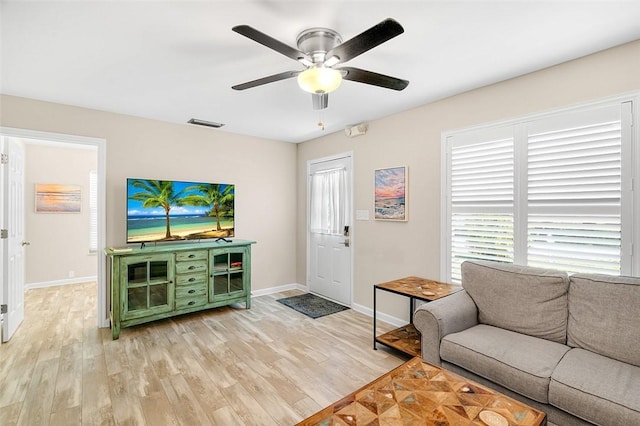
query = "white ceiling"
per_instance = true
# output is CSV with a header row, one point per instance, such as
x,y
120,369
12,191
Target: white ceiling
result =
x,y
174,60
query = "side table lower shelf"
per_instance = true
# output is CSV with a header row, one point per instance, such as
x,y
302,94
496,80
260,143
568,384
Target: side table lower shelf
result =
x,y
405,339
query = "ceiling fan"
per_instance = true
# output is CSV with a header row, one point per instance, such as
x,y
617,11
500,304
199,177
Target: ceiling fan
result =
x,y
320,50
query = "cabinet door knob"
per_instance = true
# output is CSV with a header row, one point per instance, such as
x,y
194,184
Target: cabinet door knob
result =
x,y
192,267
191,303
192,291
191,256
191,279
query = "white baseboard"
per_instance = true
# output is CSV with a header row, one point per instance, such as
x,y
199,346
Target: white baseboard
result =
x,y
380,316
396,322
278,289
67,281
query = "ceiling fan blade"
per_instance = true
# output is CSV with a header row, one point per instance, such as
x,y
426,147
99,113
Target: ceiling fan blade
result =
x,y
369,77
374,36
272,43
265,80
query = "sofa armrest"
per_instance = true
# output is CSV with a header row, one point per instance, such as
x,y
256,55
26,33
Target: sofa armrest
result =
x,y
436,319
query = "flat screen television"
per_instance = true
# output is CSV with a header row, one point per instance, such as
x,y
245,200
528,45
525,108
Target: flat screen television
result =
x,y
168,210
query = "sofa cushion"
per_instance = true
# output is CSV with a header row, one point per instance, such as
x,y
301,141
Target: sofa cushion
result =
x,y
596,388
527,300
604,316
516,361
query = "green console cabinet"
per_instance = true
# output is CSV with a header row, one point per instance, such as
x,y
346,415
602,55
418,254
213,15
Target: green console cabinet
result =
x,y
156,282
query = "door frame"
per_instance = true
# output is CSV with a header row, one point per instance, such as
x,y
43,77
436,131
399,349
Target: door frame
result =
x,y
352,239
101,146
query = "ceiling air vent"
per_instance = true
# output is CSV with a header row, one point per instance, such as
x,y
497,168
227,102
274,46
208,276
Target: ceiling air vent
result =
x,y
205,123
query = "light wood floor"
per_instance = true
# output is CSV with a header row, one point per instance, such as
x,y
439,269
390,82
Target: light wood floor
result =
x,y
268,365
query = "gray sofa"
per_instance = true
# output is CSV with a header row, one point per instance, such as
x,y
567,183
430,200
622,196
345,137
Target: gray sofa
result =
x,y
567,345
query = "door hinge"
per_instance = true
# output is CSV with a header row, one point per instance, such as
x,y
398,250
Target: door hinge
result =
x,y
4,158
4,309
4,233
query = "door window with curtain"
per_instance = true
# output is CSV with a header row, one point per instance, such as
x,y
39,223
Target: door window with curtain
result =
x,y
329,209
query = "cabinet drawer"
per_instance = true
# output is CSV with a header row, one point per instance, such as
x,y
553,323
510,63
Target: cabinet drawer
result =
x,y
189,302
191,255
191,266
187,279
192,290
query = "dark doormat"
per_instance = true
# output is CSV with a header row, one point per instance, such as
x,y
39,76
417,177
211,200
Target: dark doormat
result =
x,y
311,305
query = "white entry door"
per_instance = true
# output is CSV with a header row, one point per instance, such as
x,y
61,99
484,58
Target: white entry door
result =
x,y
13,244
328,231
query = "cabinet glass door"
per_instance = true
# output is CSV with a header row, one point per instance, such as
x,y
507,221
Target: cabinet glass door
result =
x,y
148,285
228,274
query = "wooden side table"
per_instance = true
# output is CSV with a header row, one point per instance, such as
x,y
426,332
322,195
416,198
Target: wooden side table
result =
x,y
407,339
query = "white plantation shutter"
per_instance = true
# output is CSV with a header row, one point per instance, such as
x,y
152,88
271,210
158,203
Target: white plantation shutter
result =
x,y
553,192
574,192
481,194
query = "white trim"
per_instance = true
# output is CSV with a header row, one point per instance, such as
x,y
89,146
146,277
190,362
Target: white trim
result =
x,y
582,106
627,201
54,283
445,217
380,316
101,145
635,153
278,289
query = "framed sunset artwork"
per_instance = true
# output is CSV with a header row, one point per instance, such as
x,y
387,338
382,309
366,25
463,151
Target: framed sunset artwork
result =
x,y
390,193
56,198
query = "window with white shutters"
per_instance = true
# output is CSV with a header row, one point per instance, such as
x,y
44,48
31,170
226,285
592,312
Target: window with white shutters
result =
x,y
574,174
481,193
554,191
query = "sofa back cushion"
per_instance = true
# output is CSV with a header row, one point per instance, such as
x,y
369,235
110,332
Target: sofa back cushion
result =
x,y
523,299
604,316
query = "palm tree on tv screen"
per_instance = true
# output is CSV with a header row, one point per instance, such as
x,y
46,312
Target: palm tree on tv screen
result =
x,y
158,193
217,196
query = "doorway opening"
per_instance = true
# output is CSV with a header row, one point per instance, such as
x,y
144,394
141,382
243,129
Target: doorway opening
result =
x,y
93,145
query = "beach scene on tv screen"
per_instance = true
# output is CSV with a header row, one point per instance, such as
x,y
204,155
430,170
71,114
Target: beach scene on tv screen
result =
x,y
161,210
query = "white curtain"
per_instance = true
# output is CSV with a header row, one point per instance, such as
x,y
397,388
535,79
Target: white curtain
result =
x,y
329,210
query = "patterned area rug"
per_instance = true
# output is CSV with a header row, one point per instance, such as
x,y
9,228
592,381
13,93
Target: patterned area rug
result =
x,y
312,306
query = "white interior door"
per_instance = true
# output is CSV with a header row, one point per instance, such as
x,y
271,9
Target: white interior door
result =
x,y
13,245
328,230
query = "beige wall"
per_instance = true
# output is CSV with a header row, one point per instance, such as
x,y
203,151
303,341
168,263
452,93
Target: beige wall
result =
x,y
262,170
270,175
59,247
383,250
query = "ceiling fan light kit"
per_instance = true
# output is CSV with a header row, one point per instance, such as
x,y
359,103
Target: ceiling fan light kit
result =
x,y
319,80
319,50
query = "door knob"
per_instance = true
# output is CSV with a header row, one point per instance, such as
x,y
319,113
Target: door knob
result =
x,y
26,243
